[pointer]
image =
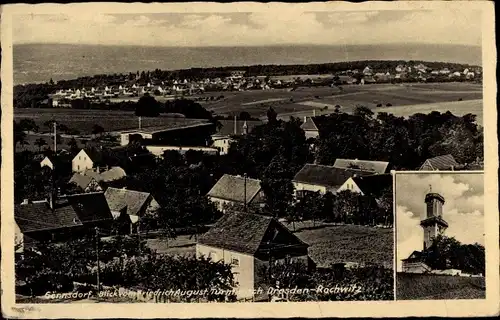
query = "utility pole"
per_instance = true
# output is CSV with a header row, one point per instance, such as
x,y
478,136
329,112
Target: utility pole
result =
x,y
97,259
245,192
139,234
55,137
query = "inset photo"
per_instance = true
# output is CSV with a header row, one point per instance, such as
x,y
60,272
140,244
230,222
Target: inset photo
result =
x,y
440,240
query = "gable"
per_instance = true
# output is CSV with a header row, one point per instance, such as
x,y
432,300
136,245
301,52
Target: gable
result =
x,y
82,156
278,235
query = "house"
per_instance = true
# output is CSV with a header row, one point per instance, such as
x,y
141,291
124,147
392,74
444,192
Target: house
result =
x,y
345,80
370,185
46,162
130,205
85,183
108,175
250,243
236,190
229,129
322,178
86,159
444,162
222,143
61,161
310,128
113,174
160,150
415,263
364,165
179,132
400,68
61,218
382,77
367,71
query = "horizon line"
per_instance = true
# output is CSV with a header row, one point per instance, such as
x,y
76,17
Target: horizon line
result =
x,y
247,45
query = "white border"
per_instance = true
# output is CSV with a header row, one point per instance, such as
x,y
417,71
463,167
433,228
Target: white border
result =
x,y
487,307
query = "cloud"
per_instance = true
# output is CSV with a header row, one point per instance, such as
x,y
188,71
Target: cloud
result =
x,y
351,17
408,236
463,208
288,26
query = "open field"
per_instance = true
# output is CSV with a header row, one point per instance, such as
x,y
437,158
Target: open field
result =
x,y
181,245
346,243
84,120
458,108
432,287
304,100
405,100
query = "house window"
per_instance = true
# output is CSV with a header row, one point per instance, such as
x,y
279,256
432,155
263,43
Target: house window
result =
x,y
235,261
79,157
78,167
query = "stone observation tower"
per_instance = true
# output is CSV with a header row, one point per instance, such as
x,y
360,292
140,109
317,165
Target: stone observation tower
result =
x,y
433,223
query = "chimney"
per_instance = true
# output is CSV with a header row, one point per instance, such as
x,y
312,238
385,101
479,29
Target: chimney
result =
x,y
305,118
314,112
140,123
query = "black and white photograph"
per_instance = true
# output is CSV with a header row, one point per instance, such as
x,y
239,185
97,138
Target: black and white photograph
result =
x,y
440,235
168,153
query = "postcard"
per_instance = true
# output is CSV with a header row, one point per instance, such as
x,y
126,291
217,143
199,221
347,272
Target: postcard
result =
x,y
248,160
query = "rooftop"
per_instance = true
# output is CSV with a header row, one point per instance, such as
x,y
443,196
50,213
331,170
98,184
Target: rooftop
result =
x,y
365,165
118,199
172,127
245,233
69,211
373,184
444,162
328,176
233,188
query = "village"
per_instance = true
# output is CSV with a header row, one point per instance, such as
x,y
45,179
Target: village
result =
x,y
249,221
133,86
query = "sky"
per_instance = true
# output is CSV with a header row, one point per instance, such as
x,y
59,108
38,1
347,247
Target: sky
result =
x,y
463,208
262,28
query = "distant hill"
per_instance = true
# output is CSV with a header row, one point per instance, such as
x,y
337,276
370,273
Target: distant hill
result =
x,y
438,287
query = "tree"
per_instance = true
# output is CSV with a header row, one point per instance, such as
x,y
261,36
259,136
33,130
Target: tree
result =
x,y
244,116
19,135
448,253
73,145
97,129
277,187
49,124
272,116
147,106
40,142
28,125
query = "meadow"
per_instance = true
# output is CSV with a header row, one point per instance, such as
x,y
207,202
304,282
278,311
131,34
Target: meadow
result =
x,y
346,243
84,120
305,100
433,287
